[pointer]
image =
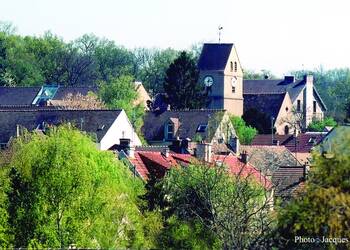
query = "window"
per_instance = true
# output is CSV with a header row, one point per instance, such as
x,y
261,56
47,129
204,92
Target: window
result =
x,y
169,131
287,109
233,89
201,128
315,107
235,66
231,68
298,105
286,130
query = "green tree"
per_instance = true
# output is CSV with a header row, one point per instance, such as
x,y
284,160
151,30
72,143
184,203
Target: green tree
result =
x,y
323,209
181,84
120,93
64,191
233,209
245,133
319,125
257,120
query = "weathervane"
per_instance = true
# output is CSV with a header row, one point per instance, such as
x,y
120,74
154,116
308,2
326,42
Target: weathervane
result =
x,y
220,29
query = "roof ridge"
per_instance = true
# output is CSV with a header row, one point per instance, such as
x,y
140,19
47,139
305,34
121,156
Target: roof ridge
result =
x,y
53,109
190,110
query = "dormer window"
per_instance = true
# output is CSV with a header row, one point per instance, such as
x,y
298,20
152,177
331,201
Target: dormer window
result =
x,y
202,127
169,131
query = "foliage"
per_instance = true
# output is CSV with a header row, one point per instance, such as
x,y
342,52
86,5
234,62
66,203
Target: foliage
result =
x,y
233,209
181,84
324,207
245,133
253,75
64,191
121,93
319,125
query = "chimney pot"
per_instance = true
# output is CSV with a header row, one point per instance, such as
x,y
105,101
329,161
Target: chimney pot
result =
x,y
244,157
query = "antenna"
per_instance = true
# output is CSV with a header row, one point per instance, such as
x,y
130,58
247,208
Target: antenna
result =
x,y
220,28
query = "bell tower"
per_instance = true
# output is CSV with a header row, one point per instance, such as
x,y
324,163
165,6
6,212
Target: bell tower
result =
x,y
222,75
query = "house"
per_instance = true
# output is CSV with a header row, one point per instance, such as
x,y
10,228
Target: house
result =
x,y
209,125
153,163
143,96
305,100
301,145
106,127
335,137
279,100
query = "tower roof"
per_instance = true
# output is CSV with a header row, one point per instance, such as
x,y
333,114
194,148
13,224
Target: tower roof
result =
x,y
214,56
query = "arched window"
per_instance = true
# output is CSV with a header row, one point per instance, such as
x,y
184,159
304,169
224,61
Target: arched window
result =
x,y
231,66
235,66
286,130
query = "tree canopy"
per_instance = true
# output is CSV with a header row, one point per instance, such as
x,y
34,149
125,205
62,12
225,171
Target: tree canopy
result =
x,y
181,84
61,191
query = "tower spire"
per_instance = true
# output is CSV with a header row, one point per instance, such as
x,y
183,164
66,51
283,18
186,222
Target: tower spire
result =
x,y
220,28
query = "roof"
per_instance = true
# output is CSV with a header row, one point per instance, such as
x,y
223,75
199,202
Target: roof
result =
x,y
269,158
237,167
269,104
17,96
303,144
96,122
214,56
288,180
189,120
268,86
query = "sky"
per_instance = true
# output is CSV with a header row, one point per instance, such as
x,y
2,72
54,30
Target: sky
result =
x,y
276,35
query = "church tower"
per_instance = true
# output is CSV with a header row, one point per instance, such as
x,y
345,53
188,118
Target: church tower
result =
x,y
222,75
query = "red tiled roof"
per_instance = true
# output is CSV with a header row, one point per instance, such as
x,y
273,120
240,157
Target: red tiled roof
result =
x,y
267,139
148,162
237,167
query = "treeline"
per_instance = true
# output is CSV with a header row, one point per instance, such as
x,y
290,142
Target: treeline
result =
x,y
88,60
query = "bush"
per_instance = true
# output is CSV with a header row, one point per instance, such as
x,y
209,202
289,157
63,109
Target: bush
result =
x,y
319,125
245,133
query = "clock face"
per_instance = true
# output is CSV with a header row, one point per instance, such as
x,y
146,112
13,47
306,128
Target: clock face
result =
x,y
208,81
233,81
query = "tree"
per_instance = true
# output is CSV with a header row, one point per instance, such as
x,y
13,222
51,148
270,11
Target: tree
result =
x,y
234,209
64,191
253,75
245,133
319,125
121,93
181,84
323,208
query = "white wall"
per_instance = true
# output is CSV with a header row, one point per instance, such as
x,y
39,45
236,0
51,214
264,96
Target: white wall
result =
x,y
115,132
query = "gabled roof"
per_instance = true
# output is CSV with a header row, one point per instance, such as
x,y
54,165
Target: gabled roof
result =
x,y
96,122
214,56
269,158
269,104
17,96
189,120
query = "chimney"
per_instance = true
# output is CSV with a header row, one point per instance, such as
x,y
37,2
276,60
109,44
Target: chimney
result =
x,y
234,143
165,152
244,157
309,97
289,79
126,147
203,152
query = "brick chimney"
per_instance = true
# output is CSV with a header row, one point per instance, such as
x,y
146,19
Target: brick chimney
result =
x,y
203,151
244,157
165,152
127,148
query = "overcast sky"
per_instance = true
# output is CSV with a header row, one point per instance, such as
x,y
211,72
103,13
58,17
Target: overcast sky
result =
x,y
278,35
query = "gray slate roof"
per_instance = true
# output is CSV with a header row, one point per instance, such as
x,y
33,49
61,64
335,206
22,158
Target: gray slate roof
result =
x,y
273,87
96,122
268,104
189,120
17,96
214,56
